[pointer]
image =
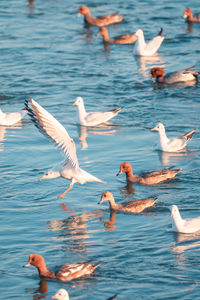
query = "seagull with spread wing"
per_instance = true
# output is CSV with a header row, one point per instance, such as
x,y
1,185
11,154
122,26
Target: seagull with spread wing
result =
x,y
51,128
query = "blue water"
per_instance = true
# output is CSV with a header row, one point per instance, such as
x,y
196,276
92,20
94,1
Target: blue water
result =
x,y
48,54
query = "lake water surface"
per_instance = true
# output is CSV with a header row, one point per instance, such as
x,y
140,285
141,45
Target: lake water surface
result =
x,y
48,54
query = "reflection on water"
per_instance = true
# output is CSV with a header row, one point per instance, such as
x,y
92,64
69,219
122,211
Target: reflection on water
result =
x,y
73,231
127,190
102,129
10,132
173,158
39,292
146,63
111,223
188,238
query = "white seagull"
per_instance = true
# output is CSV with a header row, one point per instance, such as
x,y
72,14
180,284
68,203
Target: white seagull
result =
x,y
184,225
149,49
61,294
93,118
173,144
51,128
9,119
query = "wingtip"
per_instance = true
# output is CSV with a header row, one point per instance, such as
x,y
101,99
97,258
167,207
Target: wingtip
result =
x,y
160,31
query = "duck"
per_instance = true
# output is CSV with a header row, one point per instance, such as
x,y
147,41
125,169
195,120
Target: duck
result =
x,y
9,119
183,225
101,20
128,38
66,273
51,128
134,206
61,294
172,144
93,118
189,16
147,178
147,49
180,76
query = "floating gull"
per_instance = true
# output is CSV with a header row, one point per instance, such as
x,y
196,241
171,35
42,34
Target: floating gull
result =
x,y
184,225
93,118
173,144
51,128
9,119
61,294
149,49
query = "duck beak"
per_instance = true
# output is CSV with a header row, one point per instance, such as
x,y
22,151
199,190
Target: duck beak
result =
x,y
119,173
100,201
27,265
153,129
185,16
41,178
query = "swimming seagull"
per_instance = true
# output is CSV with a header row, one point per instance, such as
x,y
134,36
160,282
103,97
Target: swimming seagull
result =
x,y
173,144
9,119
184,225
61,294
147,49
51,128
93,118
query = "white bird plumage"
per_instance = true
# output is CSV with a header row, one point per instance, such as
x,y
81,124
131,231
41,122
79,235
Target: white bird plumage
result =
x,y
51,128
172,144
184,225
9,119
93,118
147,49
61,294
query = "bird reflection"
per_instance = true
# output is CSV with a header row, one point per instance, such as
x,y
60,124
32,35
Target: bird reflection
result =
x,y
39,293
127,190
173,158
73,231
102,129
111,223
3,130
145,63
188,238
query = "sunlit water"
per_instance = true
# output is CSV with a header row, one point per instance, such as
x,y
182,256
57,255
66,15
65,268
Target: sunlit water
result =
x,y
48,54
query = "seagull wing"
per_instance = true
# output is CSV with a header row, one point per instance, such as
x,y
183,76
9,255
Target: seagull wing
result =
x,y
51,128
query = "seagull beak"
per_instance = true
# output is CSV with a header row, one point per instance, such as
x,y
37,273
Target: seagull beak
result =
x,y
119,173
27,265
54,297
74,103
153,129
41,178
171,215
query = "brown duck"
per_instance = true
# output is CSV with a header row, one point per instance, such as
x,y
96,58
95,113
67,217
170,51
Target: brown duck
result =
x,y
67,272
148,178
101,20
134,206
128,38
189,16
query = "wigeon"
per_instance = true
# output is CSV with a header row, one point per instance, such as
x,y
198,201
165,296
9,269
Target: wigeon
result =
x,y
148,178
184,225
189,16
147,49
134,206
61,294
180,76
173,144
101,20
128,38
9,119
66,273
51,128
93,118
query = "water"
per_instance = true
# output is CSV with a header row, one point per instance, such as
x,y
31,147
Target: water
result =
x,y
47,54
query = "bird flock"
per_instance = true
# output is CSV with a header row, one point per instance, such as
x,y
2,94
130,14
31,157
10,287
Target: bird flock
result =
x,y
47,124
